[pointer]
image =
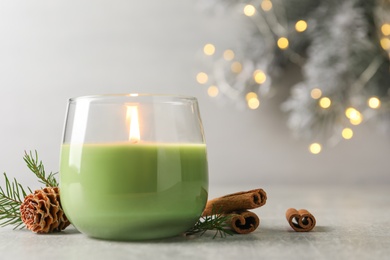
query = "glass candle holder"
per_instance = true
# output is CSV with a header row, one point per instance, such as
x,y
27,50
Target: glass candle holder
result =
x,y
134,166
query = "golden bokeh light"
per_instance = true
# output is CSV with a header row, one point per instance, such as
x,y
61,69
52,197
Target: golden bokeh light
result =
x,y
301,26
253,103
347,133
385,43
374,102
283,43
325,102
228,55
202,78
350,112
250,95
236,67
213,91
315,148
249,10
266,5
209,49
259,76
385,28
357,120
316,93
355,117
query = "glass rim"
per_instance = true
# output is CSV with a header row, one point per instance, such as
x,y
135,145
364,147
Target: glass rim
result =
x,y
131,95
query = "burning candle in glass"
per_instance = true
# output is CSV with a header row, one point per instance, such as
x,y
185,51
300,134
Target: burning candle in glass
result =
x,y
133,167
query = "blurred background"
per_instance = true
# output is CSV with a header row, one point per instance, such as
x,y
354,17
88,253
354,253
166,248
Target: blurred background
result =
x,y
51,51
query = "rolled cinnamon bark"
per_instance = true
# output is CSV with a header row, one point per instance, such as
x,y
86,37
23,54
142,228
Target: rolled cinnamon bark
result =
x,y
244,222
300,220
238,201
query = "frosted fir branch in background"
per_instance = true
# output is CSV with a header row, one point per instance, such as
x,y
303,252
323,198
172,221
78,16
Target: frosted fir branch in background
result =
x,y
341,47
338,44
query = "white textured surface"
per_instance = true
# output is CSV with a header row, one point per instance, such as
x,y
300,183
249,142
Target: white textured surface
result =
x,y
352,223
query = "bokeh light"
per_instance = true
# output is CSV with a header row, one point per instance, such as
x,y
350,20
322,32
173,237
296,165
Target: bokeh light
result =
x,y
385,29
283,43
354,116
347,133
249,10
202,78
253,103
301,26
385,43
209,49
315,148
316,93
266,5
374,102
228,55
259,76
325,102
250,95
213,91
236,67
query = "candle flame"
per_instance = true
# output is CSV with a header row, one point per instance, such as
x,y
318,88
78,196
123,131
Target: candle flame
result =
x,y
132,116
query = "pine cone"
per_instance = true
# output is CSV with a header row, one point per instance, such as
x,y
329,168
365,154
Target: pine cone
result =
x,y
42,212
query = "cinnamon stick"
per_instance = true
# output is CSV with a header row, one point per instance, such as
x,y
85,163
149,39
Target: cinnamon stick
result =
x,y
244,222
238,201
300,220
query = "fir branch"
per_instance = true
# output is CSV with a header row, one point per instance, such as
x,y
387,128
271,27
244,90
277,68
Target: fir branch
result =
x,y
217,222
38,169
10,200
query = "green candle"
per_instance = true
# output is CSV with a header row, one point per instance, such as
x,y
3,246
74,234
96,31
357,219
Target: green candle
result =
x,y
127,191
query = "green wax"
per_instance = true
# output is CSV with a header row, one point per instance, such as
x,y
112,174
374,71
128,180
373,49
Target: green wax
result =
x,y
133,191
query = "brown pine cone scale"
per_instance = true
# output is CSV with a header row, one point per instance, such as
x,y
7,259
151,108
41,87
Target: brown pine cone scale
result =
x,y
41,211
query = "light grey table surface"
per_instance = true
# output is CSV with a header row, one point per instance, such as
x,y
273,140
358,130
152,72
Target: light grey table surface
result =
x,y
352,223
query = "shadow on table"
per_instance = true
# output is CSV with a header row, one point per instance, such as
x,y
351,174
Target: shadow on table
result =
x,y
265,233
317,229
